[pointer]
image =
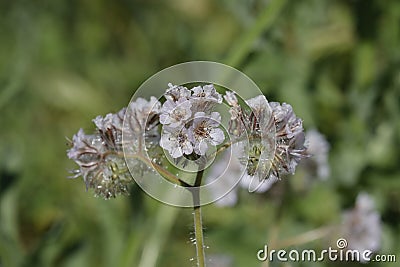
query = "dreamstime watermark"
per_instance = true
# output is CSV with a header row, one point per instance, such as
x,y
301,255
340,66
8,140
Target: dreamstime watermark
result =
x,y
341,253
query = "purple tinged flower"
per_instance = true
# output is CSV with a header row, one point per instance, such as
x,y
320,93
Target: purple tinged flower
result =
x,y
86,150
318,149
205,131
231,99
176,113
110,129
273,129
103,172
222,176
361,226
257,186
175,92
176,141
290,140
99,155
286,122
206,93
144,113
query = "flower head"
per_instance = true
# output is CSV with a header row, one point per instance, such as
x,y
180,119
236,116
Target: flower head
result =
x,y
231,99
176,141
101,171
100,156
361,226
176,113
265,123
110,129
206,93
175,92
142,115
318,149
205,131
190,125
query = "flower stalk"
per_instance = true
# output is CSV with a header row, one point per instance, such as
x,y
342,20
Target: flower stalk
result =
x,y
184,128
198,222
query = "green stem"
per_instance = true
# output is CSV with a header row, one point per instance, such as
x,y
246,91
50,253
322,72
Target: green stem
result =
x,y
198,224
166,174
195,190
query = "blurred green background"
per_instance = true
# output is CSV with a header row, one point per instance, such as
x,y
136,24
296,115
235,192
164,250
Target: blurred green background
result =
x,y
64,62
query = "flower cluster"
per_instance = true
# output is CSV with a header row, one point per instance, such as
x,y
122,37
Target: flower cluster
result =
x,y
189,123
264,123
290,140
318,148
267,138
100,155
361,226
95,155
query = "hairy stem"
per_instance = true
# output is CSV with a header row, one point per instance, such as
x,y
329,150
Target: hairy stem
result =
x,y
195,190
198,224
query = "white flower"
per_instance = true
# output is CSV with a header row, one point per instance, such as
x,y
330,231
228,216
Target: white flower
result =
x,y
224,175
175,92
176,141
205,131
290,139
110,129
276,140
106,174
317,148
286,122
253,184
206,93
142,115
362,226
86,150
176,113
231,98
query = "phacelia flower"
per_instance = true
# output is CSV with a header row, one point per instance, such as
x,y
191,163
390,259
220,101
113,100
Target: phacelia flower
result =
x,y
318,148
110,129
100,156
176,141
142,115
225,169
205,131
101,171
265,123
189,121
176,113
290,140
206,93
176,92
361,226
